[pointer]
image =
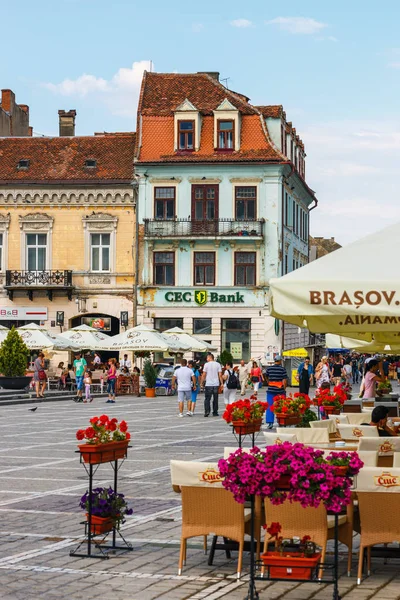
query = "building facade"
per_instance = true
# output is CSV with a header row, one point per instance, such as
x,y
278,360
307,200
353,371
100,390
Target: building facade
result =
x,y
67,230
223,207
14,118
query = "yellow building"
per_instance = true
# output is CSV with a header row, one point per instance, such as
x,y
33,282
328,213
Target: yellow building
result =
x,y
67,229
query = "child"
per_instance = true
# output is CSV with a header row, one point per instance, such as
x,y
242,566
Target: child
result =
x,y
87,379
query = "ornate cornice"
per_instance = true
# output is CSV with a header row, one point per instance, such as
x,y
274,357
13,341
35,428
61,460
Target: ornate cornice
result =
x,y
96,221
66,197
36,220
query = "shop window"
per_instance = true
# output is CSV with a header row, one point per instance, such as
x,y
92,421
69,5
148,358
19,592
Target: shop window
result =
x,y
202,326
164,324
235,337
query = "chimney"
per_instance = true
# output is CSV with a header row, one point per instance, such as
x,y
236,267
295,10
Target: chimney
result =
x,y
30,131
213,74
7,100
66,121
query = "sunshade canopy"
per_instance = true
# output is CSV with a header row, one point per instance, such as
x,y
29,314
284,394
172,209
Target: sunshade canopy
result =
x,y
84,337
194,344
353,291
144,339
296,353
38,338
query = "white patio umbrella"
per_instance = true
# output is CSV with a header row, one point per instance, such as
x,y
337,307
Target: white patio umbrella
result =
x,y
84,337
39,338
144,339
338,341
352,292
180,336
3,333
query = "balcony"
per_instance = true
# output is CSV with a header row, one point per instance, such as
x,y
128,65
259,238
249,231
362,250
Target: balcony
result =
x,y
31,281
213,228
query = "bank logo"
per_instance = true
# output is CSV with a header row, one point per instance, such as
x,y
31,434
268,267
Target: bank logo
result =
x,y
200,297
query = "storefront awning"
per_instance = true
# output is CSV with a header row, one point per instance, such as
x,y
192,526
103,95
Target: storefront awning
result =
x,y
296,352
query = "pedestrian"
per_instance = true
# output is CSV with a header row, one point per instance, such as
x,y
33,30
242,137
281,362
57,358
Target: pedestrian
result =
x,y
96,360
322,372
256,376
211,380
136,381
87,380
230,383
79,370
354,369
39,375
111,379
371,378
125,363
184,380
347,372
277,379
61,377
337,371
196,388
305,374
243,371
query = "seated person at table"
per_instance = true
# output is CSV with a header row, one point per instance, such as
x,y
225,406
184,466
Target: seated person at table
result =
x,y
379,420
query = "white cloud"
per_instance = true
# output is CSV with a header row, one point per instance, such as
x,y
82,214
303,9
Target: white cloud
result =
x,y
241,23
301,25
120,93
394,65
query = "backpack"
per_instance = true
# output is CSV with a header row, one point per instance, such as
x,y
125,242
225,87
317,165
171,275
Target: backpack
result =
x,y
232,382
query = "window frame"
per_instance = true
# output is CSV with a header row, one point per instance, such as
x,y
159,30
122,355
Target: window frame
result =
x,y
164,201
36,246
204,265
100,246
195,332
155,264
248,264
225,148
193,132
245,201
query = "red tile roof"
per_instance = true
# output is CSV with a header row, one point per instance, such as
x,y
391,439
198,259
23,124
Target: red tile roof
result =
x,y
62,159
275,111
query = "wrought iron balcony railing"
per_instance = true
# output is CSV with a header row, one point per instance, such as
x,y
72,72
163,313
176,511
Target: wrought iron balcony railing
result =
x,y
178,228
36,280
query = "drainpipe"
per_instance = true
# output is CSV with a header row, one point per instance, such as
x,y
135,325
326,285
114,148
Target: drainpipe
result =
x,y
136,250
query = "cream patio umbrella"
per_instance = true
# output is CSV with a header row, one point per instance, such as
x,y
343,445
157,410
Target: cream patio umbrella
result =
x,y
338,341
352,291
3,333
84,337
39,338
144,339
194,344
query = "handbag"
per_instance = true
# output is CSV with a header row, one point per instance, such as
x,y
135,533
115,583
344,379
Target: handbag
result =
x,y
255,379
42,375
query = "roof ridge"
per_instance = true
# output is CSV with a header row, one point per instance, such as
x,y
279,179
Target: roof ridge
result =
x,y
234,94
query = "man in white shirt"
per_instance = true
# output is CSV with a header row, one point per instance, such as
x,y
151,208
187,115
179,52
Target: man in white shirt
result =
x,y
184,379
243,371
125,362
212,379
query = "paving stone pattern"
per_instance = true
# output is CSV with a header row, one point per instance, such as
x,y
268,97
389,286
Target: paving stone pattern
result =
x,y
41,482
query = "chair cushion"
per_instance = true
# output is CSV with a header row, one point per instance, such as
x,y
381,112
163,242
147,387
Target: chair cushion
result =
x,y
331,520
247,514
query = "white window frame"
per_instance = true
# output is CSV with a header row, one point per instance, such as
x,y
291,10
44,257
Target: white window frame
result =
x,y
100,247
100,223
36,246
227,112
36,223
4,227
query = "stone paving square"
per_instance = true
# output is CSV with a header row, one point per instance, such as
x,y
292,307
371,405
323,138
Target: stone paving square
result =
x,y
40,521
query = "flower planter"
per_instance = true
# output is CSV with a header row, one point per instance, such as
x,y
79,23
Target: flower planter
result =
x,y
15,383
243,428
341,471
101,453
100,525
283,482
290,565
150,392
285,420
331,410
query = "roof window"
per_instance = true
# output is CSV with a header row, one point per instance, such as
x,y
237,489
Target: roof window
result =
x,y
23,164
91,163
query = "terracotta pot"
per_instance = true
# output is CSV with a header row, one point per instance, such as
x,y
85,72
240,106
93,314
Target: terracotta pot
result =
x,y
290,565
100,525
150,392
331,410
243,428
286,420
101,453
341,471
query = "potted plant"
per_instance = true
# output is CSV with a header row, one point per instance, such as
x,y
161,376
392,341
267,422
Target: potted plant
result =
x,y
289,409
245,415
106,440
384,389
331,402
150,378
108,509
14,357
346,463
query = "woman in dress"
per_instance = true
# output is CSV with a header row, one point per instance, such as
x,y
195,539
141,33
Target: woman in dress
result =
x,y
39,375
322,373
136,381
111,378
305,375
255,376
371,378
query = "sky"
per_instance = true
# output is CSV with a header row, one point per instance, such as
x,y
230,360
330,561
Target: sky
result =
x,y
335,67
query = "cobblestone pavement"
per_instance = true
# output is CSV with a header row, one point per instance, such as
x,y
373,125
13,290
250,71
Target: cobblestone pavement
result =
x,y
40,522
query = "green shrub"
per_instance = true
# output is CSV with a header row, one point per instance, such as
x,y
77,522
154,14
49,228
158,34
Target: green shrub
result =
x,y
149,374
306,417
14,355
225,357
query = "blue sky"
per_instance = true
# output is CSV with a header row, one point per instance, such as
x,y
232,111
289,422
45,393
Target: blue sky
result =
x,y
334,66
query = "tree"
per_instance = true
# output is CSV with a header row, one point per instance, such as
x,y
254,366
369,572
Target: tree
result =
x,y
226,357
14,355
149,374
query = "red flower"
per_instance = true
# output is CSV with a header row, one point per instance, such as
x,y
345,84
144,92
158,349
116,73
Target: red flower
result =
x,y
93,420
103,419
111,426
90,433
128,435
123,426
80,434
274,529
305,539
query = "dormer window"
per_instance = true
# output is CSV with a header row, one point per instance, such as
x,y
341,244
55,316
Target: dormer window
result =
x,y
90,163
226,132
186,135
23,164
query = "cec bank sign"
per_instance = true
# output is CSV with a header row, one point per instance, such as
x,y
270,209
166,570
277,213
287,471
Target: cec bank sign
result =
x,y
202,297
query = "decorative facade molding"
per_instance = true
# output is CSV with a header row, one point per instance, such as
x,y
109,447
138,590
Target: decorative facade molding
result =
x,y
97,280
66,197
5,222
100,221
34,221
246,180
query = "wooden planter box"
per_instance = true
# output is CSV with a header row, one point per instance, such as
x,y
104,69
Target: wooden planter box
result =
x,y
100,525
331,410
285,420
95,454
243,428
291,565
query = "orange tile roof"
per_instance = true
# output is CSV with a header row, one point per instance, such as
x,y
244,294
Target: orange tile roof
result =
x,y
62,159
273,111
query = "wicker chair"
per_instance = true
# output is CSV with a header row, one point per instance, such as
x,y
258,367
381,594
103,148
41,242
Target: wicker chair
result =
x,y
328,424
355,432
359,418
297,521
277,438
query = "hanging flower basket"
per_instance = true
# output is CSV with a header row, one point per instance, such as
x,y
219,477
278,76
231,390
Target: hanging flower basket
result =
x,y
242,428
290,565
285,420
100,525
107,440
95,454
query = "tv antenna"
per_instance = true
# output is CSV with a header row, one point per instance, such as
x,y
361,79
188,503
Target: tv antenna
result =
x,y
226,79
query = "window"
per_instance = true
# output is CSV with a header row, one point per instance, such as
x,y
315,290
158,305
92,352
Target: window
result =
x,y
235,335
100,251
36,245
164,268
245,203
91,163
286,264
202,326
1,252
245,268
23,164
186,135
225,135
164,324
164,203
204,268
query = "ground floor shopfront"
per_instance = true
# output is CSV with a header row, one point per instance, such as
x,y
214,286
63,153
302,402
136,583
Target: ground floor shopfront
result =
x,y
233,319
